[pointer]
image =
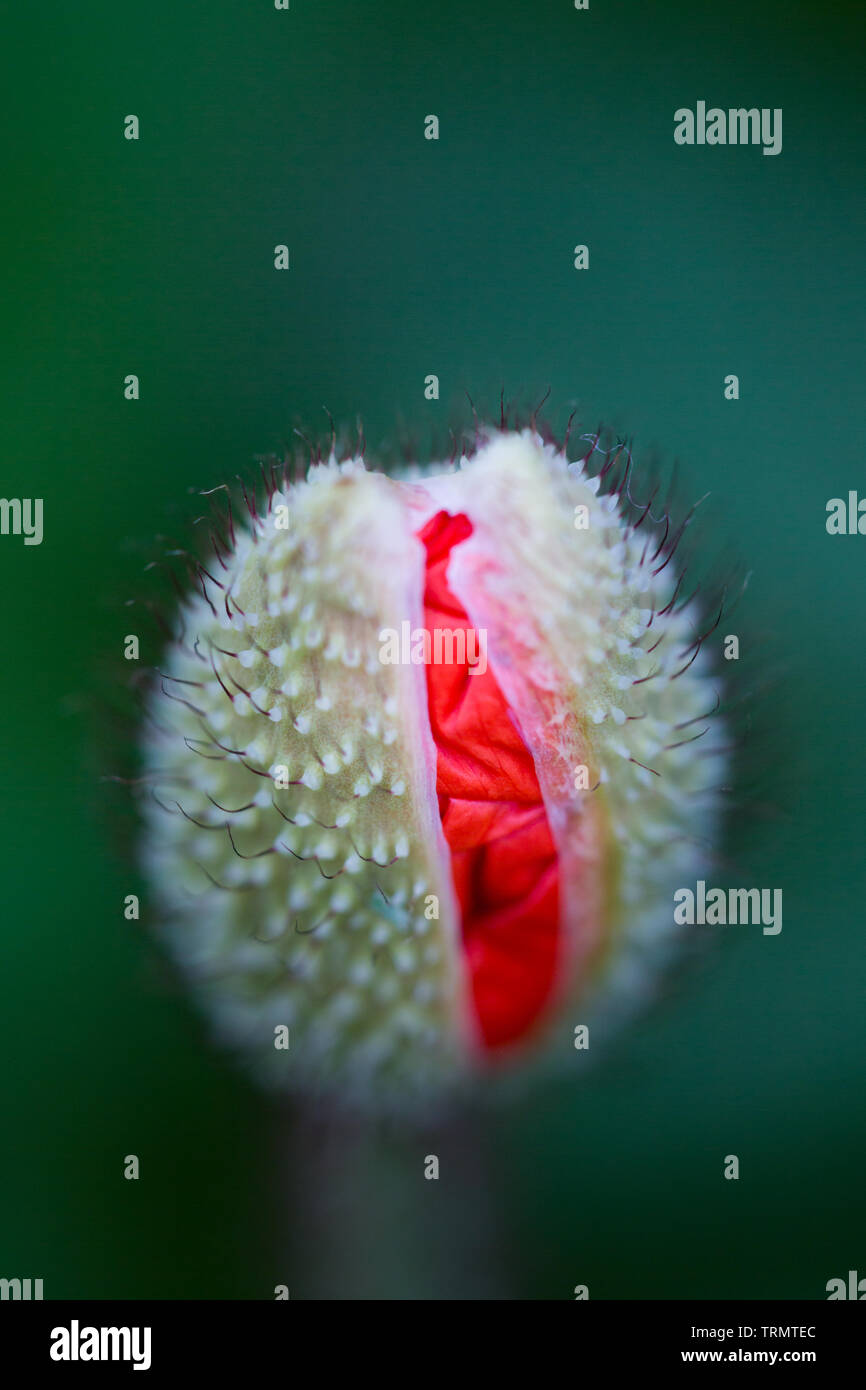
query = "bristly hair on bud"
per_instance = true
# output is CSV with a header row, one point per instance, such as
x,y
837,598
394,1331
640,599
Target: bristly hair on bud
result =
x,y
388,869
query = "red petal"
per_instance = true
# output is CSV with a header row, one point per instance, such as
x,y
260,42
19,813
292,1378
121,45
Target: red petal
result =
x,y
503,858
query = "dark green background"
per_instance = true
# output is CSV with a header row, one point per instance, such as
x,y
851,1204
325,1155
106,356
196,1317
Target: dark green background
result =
x,y
411,257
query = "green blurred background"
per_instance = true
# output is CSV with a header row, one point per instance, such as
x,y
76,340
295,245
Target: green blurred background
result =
x,y
411,257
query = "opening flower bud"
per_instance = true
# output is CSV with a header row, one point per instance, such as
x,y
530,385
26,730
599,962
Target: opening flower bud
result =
x,y
427,773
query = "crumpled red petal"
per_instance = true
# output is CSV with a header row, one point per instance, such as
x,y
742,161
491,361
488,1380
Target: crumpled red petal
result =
x,y
503,857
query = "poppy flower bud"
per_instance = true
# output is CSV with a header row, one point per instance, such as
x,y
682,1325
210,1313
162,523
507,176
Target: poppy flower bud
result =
x,y
427,775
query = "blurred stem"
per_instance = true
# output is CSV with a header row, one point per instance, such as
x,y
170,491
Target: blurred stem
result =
x,y
359,1220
